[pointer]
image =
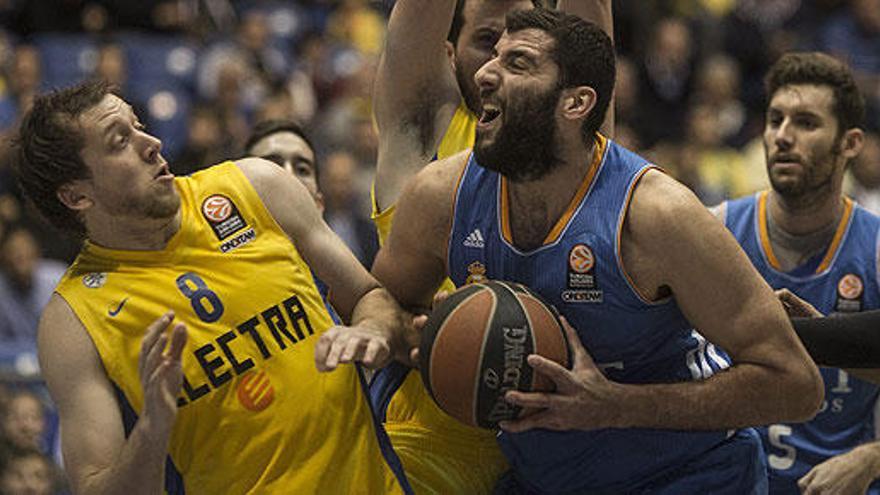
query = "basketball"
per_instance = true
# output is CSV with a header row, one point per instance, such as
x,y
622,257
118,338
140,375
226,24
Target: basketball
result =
x,y
474,348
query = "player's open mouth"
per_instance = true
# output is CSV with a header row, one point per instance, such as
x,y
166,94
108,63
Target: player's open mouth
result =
x,y
490,113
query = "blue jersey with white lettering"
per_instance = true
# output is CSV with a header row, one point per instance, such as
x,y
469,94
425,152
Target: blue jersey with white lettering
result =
x,y
578,269
843,278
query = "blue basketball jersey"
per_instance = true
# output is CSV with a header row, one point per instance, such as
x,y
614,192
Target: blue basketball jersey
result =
x,y
578,269
841,279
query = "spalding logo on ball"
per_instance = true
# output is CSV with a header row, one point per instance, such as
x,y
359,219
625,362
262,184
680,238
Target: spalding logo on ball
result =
x,y
474,348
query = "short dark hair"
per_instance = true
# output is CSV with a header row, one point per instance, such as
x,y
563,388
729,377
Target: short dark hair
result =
x,y
274,126
820,69
48,146
582,51
458,19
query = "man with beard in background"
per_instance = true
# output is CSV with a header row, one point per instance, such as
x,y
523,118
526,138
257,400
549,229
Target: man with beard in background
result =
x,y
541,197
805,236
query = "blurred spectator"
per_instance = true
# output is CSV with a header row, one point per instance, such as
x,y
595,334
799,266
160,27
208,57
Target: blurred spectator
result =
x,y
666,74
343,210
249,58
26,283
204,146
865,171
24,75
24,422
28,472
721,173
718,87
112,65
626,93
358,25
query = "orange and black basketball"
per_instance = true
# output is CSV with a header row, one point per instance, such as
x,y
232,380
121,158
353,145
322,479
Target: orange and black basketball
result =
x,y
474,348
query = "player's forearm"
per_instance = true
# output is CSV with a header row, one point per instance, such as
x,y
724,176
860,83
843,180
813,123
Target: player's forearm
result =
x,y
743,395
379,310
139,469
869,456
844,340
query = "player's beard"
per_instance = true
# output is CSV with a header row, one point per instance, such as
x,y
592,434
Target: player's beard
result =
x,y
524,146
814,184
469,91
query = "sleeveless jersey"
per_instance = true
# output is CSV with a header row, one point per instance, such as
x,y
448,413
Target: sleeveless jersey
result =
x,y
841,279
255,415
578,269
440,455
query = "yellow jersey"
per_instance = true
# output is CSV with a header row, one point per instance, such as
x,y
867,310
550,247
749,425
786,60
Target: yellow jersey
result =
x,y
440,455
255,415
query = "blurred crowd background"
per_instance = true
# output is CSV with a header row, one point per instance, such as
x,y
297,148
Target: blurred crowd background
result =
x,y
200,73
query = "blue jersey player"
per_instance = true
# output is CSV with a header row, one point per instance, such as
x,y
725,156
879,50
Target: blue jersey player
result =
x,y
631,259
805,236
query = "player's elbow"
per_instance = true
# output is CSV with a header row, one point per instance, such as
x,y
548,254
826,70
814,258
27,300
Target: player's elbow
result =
x,y
803,390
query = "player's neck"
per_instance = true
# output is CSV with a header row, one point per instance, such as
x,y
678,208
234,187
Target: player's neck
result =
x,y
130,235
536,206
804,218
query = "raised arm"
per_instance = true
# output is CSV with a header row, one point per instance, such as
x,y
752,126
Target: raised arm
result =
x,y
377,323
98,457
415,92
412,262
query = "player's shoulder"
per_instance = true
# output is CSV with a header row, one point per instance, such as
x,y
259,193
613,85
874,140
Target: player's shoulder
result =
x,y
441,177
663,196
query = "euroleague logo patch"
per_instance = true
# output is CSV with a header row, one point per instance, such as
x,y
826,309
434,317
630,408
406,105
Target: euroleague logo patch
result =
x,y
581,259
225,220
255,391
849,294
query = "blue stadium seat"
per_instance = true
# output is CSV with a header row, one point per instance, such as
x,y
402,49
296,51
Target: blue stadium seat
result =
x,y
159,58
66,58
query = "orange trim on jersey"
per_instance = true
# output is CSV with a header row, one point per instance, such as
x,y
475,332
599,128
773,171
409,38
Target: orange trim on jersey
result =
x,y
619,249
559,227
832,248
838,235
764,234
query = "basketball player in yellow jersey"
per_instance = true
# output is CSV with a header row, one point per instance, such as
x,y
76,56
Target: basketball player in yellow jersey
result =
x,y
425,102
228,400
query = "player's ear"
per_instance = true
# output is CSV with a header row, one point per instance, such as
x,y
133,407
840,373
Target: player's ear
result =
x,y
75,195
450,53
851,143
578,102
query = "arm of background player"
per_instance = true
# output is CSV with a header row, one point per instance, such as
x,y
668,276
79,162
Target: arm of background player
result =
x,y
97,456
599,12
375,318
412,263
415,93
851,472
685,248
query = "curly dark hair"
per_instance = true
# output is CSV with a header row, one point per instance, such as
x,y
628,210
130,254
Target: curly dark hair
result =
x,y
583,52
821,70
48,146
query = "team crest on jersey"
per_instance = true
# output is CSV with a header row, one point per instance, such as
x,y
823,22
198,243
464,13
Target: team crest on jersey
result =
x,y
255,391
222,215
849,293
582,287
476,273
95,280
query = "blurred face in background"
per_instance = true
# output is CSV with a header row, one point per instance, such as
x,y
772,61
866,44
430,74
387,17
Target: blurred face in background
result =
x,y
25,422
292,153
19,255
29,474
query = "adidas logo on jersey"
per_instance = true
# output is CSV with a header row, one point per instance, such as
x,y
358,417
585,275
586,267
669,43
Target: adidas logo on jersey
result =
x,y
475,240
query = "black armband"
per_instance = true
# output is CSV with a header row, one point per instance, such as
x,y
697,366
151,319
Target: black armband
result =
x,y
850,340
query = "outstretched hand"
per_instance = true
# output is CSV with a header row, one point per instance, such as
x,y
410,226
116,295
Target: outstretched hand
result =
x,y
340,345
583,399
161,370
851,472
